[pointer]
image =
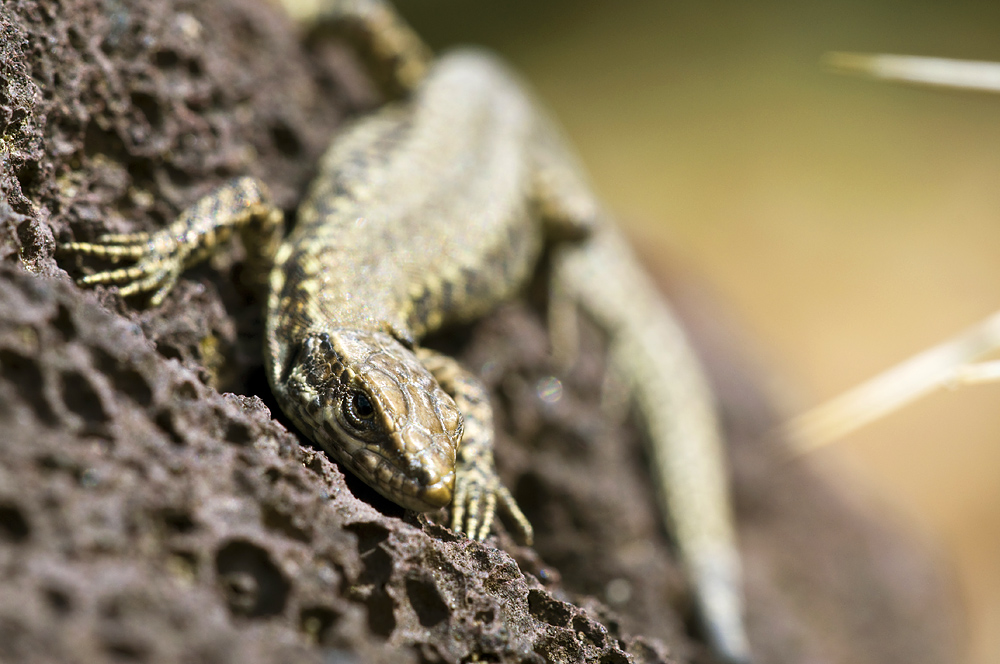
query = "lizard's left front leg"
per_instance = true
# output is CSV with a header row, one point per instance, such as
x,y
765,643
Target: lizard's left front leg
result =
x,y
478,488
241,205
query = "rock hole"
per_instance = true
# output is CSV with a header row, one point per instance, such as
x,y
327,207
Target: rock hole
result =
x,y
614,657
165,420
548,610
13,526
76,40
141,170
166,59
101,141
81,398
284,523
170,351
485,617
149,107
134,385
285,140
64,322
29,176
251,583
187,391
112,608
381,620
126,380
614,629
58,600
49,463
178,521
376,571
315,464
369,534
590,631
426,601
121,650
179,177
238,433
377,567
24,373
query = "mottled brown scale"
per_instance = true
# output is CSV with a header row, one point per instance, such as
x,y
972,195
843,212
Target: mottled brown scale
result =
x,y
385,247
388,183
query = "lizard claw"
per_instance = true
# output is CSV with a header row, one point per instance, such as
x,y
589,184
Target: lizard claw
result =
x,y
160,258
478,491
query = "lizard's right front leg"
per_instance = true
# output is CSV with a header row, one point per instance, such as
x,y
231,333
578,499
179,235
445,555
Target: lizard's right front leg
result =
x,y
478,489
240,205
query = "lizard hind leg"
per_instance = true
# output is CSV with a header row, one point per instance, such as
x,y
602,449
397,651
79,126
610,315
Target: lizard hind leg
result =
x,y
564,200
396,55
570,214
478,489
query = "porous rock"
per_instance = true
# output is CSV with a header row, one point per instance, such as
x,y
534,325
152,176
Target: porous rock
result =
x,y
154,505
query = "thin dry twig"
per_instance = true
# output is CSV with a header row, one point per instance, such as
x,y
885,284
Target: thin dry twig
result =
x,y
946,365
949,364
936,72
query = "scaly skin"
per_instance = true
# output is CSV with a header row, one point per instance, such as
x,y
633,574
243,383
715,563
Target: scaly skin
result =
x,y
431,211
649,352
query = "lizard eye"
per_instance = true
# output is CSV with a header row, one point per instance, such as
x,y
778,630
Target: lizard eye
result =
x,y
362,406
359,410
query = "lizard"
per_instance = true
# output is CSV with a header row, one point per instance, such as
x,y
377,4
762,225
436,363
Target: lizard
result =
x,y
430,211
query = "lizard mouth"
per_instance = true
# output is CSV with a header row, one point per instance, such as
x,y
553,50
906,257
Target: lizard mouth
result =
x,y
422,480
413,488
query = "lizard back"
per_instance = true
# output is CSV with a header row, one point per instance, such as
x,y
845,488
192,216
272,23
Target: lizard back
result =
x,y
419,216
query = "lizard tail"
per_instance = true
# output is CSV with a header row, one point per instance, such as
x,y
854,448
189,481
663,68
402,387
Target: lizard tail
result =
x,y
650,351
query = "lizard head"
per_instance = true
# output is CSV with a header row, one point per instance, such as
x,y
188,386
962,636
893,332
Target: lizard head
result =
x,y
370,403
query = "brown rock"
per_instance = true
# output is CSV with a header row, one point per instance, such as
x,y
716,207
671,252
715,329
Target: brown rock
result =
x,y
145,516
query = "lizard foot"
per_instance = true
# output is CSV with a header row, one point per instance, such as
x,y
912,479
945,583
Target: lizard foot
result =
x,y
160,258
478,490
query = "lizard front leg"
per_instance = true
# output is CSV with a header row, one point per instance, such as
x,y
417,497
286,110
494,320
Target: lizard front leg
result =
x,y
240,205
478,488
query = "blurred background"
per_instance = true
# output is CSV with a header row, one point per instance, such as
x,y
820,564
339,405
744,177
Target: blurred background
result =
x,y
849,223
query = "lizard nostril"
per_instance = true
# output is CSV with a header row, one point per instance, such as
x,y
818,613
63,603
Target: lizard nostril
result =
x,y
418,472
440,494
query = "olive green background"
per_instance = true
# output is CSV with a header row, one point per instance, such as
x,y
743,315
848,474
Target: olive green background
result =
x,y
849,223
